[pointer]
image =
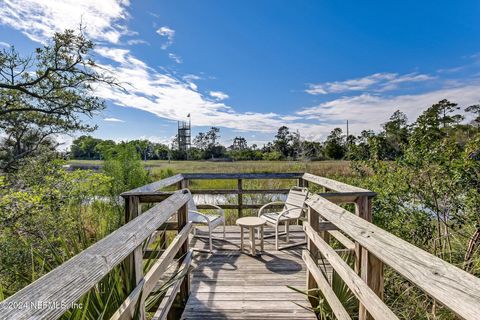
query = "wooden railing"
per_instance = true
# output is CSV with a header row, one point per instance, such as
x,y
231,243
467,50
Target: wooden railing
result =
x,y
150,192
50,296
371,247
454,288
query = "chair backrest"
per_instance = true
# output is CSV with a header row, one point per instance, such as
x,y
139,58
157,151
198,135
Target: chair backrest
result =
x,y
296,202
191,204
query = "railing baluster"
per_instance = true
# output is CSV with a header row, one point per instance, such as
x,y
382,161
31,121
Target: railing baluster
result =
x,y
185,286
134,262
240,198
367,265
313,219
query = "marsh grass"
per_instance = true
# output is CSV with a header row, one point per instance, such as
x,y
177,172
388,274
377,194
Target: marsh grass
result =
x,y
343,293
108,294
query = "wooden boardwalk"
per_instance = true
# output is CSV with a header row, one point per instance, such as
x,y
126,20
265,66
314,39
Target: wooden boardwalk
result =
x,y
234,285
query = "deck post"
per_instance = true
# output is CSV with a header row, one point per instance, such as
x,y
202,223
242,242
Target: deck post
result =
x,y
184,292
240,198
300,182
367,265
134,261
185,183
313,219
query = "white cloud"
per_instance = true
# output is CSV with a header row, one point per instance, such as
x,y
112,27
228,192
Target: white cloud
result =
x,y
191,77
377,82
40,19
4,44
175,58
173,97
367,111
167,33
133,42
218,95
113,120
168,97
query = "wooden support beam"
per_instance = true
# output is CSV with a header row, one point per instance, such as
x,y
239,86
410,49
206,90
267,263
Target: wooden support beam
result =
x,y
369,266
454,288
68,282
185,183
240,198
337,186
167,302
134,262
184,289
313,219
324,286
155,186
362,291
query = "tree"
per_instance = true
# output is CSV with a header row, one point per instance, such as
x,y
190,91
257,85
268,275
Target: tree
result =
x,y
335,145
47,93
282,141
239,143
85,147
208,144
105,148
201,141
475,109
396,135
213,135
144,147
444,109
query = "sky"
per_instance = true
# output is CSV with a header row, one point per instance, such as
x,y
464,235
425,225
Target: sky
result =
x,y
252,66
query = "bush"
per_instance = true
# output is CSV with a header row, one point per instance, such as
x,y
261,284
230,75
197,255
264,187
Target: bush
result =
x,y
272,156
42,205
125,168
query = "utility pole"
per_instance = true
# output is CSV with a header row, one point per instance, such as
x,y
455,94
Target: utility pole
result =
x,y
348,144
347,130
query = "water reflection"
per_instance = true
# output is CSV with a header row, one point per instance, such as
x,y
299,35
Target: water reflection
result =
x,y
232,199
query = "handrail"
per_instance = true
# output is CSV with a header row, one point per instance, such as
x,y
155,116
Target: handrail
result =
x,y
67,283
454,288
215,176
154,186
342,188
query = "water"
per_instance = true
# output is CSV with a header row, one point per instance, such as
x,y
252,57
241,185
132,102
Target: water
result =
x,y
232,199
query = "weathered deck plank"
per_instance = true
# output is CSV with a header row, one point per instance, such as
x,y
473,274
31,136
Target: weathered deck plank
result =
x,y
234,285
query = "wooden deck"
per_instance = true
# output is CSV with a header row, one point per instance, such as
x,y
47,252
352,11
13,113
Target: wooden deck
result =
x,y
234,285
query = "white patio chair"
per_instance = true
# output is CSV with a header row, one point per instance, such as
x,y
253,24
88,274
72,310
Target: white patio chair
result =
x,y
211,220
293,209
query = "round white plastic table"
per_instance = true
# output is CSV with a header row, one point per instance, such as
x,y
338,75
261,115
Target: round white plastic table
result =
x,y
251,223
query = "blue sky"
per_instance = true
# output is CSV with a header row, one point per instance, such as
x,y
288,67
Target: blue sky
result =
x,y
252,66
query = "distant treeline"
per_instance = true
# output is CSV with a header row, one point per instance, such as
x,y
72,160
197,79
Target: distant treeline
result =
x,y
388,144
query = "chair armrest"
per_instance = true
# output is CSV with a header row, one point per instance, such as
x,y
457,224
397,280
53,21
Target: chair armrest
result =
x,y
220,210
202,215
286,211
260,211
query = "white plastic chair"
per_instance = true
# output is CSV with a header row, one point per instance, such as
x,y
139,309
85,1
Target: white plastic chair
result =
x,y
210,220
293,209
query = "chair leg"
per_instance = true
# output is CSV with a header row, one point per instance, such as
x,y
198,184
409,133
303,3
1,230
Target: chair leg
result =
x,y
276,237
287,237
210,238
